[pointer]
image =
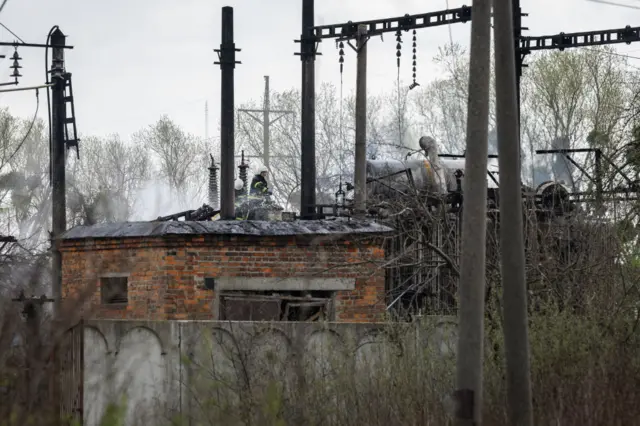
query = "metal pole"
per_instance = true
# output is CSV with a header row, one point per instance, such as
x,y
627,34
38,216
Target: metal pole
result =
x,y
58,115
516,337
599,185
474,212
360,172
227,145
265,123
308,107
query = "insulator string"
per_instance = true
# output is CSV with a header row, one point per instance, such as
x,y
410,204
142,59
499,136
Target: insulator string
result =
x,y
341,62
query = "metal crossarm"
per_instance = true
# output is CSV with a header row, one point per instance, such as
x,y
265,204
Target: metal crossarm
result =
x,y
376,27
589,38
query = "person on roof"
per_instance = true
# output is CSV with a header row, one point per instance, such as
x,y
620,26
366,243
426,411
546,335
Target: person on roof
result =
x,y
259,185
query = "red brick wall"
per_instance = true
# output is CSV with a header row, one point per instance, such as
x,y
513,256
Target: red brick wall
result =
x,y
167,273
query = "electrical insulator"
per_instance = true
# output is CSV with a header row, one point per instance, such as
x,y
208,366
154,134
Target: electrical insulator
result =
x,y
415,45
340,196
16,65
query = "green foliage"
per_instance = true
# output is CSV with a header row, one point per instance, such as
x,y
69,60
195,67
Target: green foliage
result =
x,y
115,414
273,406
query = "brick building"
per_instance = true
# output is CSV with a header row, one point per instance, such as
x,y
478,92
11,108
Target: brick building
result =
x,y
236,270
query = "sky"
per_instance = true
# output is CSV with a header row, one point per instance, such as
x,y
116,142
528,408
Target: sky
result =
x,y
134,60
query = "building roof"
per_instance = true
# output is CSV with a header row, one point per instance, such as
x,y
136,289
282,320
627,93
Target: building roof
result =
x,y
338,226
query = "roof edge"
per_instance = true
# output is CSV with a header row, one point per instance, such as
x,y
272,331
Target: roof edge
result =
x,y
335,227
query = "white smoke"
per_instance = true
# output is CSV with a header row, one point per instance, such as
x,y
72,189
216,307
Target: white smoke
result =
x,y
156,199
410,141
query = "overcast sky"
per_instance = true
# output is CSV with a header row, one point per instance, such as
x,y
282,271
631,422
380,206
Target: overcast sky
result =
x,y
134,60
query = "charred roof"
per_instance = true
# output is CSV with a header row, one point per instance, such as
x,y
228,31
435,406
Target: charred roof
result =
x,y
337,226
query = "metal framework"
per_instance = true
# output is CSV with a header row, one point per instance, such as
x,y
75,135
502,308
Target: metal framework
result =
x,y
621,193
563,41
312,35
348,31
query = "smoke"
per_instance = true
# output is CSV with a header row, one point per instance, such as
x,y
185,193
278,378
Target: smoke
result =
x,y
410,141
156,199
492,149
541,173
562,169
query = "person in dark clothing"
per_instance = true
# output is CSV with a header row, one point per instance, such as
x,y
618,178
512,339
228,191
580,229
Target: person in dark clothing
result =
x,y
259,185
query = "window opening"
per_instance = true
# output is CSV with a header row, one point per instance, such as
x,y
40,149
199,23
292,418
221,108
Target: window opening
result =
x,y
276,306
114,290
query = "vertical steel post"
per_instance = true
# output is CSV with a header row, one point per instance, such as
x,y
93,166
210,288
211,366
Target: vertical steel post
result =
x,y
599,184
227,132
308,106
58,177
360,169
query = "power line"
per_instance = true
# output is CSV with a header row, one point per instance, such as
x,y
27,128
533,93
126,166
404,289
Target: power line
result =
x,y
24,139
606,52
3,4
621,55
12,33
611,3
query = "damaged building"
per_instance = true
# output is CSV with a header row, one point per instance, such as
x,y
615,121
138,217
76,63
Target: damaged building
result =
x,y
228,270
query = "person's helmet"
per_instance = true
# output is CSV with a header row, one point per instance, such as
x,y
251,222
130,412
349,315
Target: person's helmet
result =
x,y
263,171
427,143
238,184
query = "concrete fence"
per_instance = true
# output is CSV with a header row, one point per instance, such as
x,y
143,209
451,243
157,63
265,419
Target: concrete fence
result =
x,y
164,370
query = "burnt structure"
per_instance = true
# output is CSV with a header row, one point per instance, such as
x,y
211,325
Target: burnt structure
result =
x,y
422,199
428,192
410,182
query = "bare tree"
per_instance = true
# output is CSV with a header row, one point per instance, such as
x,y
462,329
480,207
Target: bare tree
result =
x,y
334,138
103,185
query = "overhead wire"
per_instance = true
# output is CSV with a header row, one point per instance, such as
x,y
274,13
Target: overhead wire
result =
x,y
8,47
3,4
24,138
622,55
449,27
12,33
611,3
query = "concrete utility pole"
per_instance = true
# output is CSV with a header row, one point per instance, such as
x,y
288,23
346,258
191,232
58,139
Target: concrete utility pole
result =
x,y
227,53
468,394
58,176
266,121
360,172
514,300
